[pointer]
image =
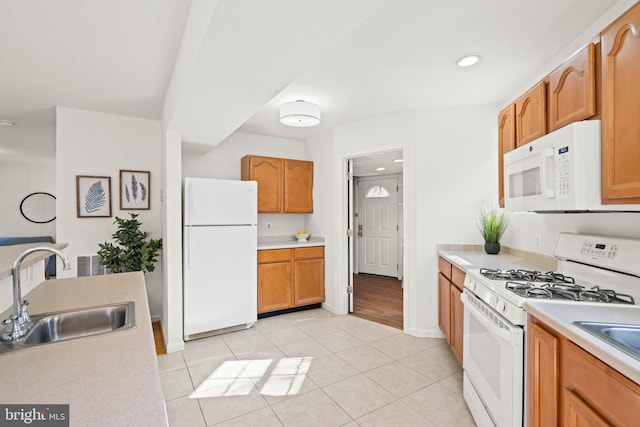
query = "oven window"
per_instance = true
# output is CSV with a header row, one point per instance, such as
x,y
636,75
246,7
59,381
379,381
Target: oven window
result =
x,y
486,352
525,183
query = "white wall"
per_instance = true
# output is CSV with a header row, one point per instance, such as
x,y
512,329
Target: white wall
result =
x,y
223,162
18,180
456,151
450,165
99,144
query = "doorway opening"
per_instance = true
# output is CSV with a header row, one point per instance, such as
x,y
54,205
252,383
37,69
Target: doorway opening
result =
x,y
376,245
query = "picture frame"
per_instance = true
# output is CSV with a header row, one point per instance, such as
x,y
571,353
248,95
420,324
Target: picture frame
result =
x,y
135,190
93,196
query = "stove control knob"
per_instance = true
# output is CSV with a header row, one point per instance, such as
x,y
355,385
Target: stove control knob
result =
x,y
491,300
500,306
471,285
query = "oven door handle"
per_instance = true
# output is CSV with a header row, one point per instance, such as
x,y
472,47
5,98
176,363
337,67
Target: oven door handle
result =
x,y
494,329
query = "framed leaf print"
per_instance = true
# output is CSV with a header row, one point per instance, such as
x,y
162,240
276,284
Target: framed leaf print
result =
x,y
93,196
134,190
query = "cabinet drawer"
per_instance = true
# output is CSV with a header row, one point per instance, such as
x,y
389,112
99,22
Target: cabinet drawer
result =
x,y
457,278
445,267
310,252
274,255
608,392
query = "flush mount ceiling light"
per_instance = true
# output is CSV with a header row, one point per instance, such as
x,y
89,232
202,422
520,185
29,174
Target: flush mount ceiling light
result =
x,y
299,114
468,61
398,160
6,123
381,169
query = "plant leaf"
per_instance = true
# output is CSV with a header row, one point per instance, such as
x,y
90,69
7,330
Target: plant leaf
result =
x,y
126,193
95,197
143,192
134,187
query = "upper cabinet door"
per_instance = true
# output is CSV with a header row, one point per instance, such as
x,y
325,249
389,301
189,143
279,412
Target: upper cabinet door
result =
x,y
506,143
298,186
572,90
531,115
267,171
621,109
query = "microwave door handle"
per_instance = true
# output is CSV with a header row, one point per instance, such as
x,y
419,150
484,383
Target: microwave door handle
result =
x,y
546,192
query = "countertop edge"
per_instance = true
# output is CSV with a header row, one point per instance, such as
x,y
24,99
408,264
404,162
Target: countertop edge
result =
x,y
507,258
289,244
559,315
8,254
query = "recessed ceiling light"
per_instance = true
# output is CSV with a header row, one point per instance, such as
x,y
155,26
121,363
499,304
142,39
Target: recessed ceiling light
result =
x,y
468,61
6,123
380,169
398,160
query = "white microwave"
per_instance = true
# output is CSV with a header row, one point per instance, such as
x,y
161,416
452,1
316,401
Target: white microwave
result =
x,y
559,172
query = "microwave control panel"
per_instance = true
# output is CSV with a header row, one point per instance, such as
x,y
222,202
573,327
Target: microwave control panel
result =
x,y
564,163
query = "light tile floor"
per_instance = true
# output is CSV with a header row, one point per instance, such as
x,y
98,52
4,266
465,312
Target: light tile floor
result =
x,y
314,368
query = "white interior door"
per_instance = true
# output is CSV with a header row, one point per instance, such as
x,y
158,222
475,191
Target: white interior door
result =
x,y
377,227
350,232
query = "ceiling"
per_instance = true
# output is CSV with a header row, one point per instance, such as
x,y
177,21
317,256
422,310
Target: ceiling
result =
x,y
356,59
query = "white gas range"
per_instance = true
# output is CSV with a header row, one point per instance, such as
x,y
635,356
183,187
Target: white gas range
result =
x,y
591,270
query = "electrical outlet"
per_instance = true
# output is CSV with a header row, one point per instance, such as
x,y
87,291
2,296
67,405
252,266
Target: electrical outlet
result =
x,y
538,240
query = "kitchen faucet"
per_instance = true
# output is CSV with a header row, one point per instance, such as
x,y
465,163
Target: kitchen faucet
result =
x,y
19,323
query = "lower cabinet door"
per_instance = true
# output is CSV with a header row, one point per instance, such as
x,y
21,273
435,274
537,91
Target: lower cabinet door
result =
x,y
457,323
444,306
274,286
578,414
309,281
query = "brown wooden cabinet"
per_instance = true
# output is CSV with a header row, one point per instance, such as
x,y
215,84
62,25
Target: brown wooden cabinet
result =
x,y
284,185
572,89
290,277
568,386
543,381
298,186
309,275
450,308
506,143
444,306
531,114
275,290
621,109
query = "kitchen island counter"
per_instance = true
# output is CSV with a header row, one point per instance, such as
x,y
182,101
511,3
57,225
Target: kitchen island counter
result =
x,y
8,255
109,379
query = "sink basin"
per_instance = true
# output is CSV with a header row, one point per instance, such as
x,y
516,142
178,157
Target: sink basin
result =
x,y
622,336
73,324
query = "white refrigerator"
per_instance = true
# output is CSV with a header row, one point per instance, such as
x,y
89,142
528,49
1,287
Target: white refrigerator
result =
x,y
220,255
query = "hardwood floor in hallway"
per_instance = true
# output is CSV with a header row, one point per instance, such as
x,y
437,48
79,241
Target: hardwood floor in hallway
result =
x,y
378,298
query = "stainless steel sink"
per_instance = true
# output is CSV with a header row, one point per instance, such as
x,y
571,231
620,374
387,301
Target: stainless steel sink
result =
x,y
73,324
622,336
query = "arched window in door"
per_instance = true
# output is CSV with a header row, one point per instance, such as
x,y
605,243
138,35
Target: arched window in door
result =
x,y
376,192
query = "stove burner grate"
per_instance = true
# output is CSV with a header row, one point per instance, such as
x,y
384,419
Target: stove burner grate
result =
x,y
567,291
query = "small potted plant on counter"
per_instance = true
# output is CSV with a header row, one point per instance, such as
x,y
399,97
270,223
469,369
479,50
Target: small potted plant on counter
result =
x,y
134,252
492,224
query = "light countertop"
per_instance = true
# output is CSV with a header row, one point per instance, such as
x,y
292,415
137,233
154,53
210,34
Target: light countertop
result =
x,y
108,380
466,257
284,242
8,255
560,315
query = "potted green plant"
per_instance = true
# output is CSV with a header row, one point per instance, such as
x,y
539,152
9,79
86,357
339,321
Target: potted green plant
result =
x,y
133,250
492,226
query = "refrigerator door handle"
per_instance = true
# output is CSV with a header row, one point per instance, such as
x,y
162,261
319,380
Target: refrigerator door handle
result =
x,y
187,239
